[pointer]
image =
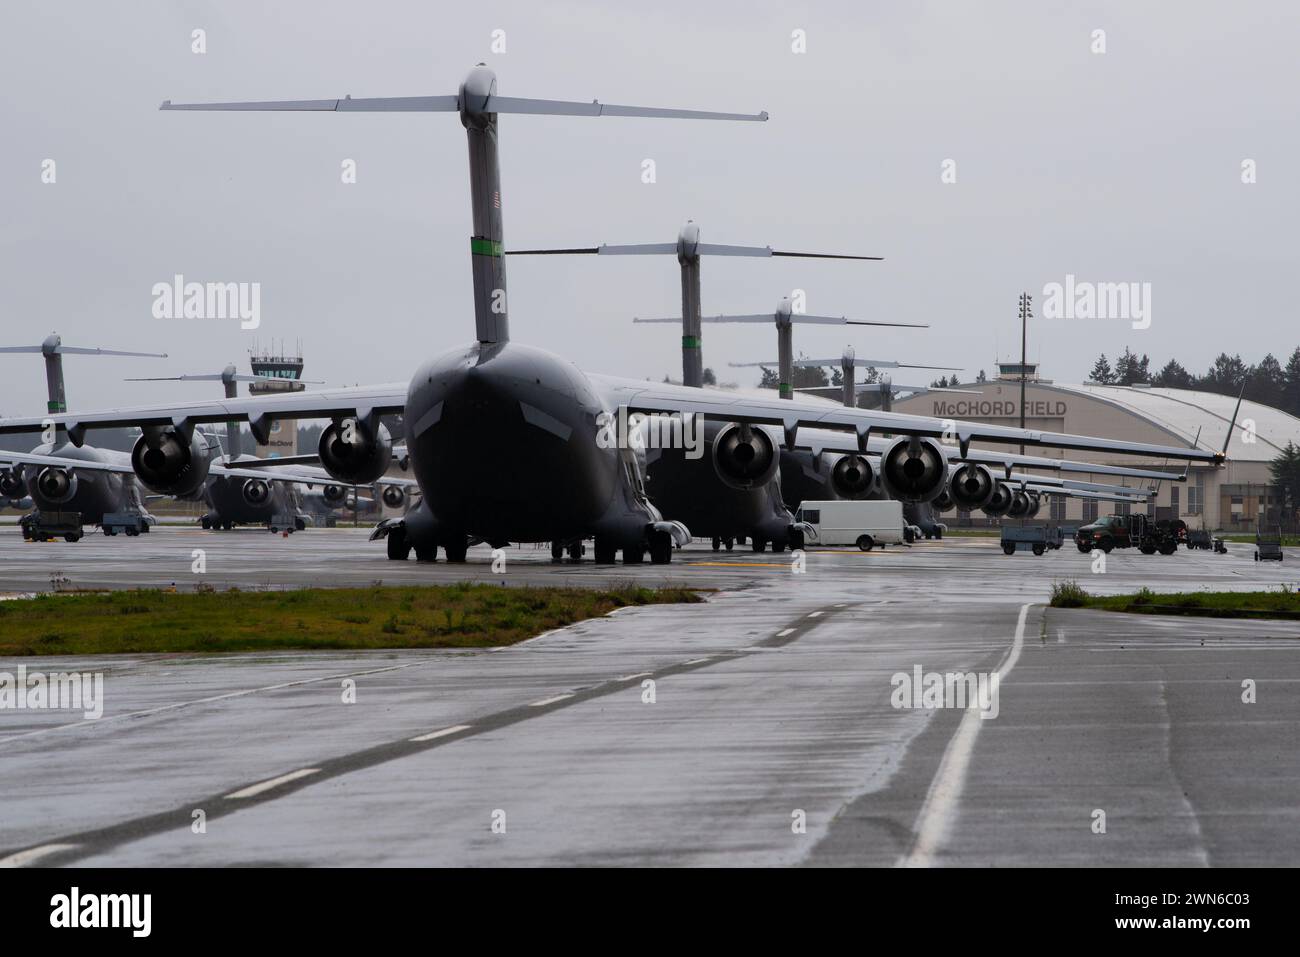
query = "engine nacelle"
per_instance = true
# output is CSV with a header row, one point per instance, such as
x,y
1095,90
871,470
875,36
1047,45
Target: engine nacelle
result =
x,y
943,501
1000,503
853,477
744,456
169,465
393,496
56,485
1019,504
11,483
914,470
351,453
972,486
256,492
1035,503
334,495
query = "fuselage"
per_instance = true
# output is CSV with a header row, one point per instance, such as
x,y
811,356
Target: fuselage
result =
x,y
503,441
96,494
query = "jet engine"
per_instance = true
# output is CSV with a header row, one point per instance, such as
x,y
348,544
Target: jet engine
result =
x,y
56,485
256,492
1000,503
393,496
972,486
352,453
852,476
744,456
169,465
1035,503
943,501
914,469
1019,504
11,483
334,495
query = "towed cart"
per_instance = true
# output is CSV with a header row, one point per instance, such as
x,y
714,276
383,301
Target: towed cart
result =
x,y
130,523
1030,538
1268,545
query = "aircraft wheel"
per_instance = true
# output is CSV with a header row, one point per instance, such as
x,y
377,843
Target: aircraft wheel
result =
x,y
661,549
228,526
456,551
398,549
633,556
606,554
759,546
575,551
728,542
717,543
866,542
205,523
557,551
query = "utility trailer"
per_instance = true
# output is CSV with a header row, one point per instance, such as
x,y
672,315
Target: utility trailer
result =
x,y
129,523
41,526
287,522
1268,545
1030,538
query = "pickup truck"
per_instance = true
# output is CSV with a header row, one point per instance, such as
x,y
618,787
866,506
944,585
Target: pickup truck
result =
x,y
1127,531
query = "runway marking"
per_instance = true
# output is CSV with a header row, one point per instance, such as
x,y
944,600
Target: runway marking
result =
x,y
187,704
642,674
441,733
86,843
785,631
737,564
940,808
23,858
255,789
816,614
545,701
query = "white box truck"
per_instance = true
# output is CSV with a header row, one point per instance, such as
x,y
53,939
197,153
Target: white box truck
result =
x,y
861,523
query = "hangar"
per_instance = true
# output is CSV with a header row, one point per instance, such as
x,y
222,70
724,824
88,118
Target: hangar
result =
x,y
1235,497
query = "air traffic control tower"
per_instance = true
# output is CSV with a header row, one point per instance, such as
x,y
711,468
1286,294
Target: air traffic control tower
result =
x,y
284,374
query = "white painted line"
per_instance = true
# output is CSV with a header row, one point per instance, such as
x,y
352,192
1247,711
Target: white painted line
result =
x,y
187,704
785,631
816,614
23,858
545,701
696,661
443,733
842,605
255,789
940,808
643,674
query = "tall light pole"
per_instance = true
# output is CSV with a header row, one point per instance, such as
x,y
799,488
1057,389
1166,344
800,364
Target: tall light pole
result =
x,y
1025,312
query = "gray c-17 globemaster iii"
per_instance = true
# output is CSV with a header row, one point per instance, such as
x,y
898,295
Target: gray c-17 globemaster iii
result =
x,y
502,436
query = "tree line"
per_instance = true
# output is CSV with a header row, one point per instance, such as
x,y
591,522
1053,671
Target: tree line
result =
x,y
1267,382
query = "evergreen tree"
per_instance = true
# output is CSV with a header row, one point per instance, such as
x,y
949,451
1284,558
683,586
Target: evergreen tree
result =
x,y
982,378
1173,376
1291,384
709,378
1101,371
1285,470
1225,376
1266,382
1130,370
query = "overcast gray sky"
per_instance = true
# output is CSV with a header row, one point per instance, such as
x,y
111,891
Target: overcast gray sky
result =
x,y
1116,167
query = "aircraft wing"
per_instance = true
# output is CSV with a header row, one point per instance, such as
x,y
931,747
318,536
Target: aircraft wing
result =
x,y
793,414
259,411
315,477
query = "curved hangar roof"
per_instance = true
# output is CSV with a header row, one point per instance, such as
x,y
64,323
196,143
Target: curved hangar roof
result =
x,y
1182,412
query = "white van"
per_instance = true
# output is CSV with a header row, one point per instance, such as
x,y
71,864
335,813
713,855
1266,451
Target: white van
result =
x,y
865,524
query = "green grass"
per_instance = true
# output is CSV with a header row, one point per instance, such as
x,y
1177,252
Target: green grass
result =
x,y
441,616
1279,603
